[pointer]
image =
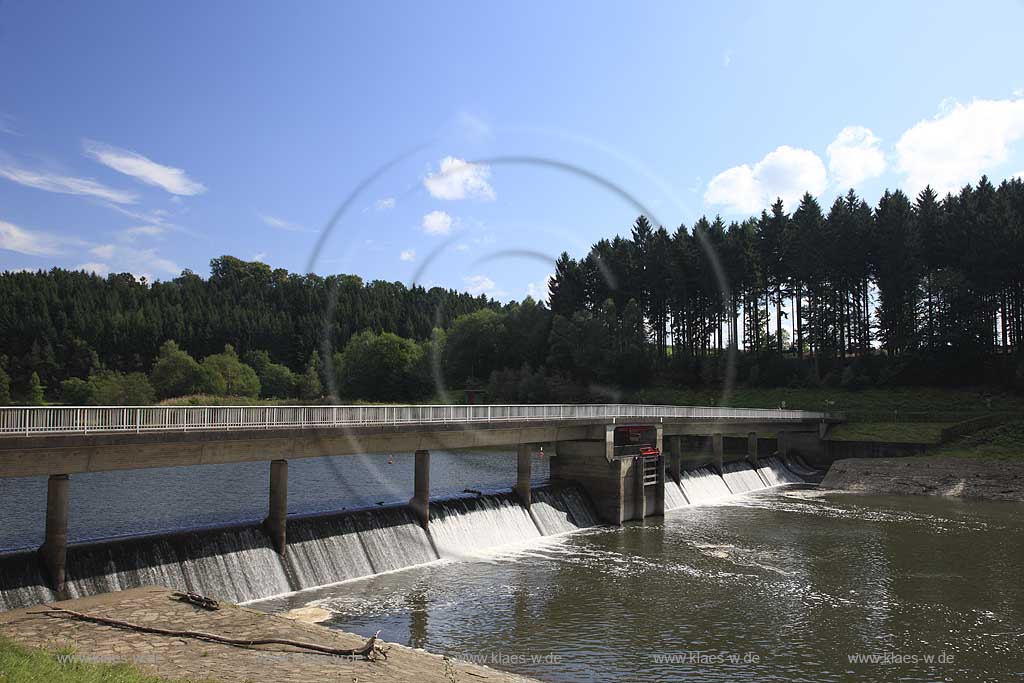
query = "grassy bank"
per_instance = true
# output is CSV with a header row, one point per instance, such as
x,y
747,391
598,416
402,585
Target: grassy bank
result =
x,y
890,402
1003,443
20,664
890,432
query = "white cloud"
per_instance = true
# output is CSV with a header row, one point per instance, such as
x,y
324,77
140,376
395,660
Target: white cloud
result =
x,y
959,144
52,182
478,284
539,290
854,156
787,172
727,59
385,204
459,179
103,251
14,238
1019,175
131,234
92,267
258,256
280,223
173,180
140,262
437,223
407,255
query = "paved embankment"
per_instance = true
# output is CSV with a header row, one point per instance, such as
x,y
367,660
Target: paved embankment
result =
x,y
932,476
176,657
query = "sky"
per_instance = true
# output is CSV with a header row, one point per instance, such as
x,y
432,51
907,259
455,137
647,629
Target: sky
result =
x,y
467,145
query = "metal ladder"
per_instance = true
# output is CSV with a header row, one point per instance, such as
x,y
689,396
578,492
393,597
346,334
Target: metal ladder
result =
x,y
650,466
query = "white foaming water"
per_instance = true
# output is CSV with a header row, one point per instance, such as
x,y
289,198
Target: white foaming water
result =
x,y
463,526
703,485
238,564
776,474
674,497
740,477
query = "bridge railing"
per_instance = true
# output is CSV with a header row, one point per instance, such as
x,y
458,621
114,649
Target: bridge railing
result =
x,y
88,419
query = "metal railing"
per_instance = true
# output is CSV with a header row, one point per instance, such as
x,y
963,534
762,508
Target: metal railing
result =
x,y
88,420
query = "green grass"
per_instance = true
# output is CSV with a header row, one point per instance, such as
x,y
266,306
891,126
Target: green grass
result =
x,y
1004,443
20,664
890,432
872,403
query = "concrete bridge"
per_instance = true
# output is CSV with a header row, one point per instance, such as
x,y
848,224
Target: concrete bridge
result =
x,y
613,450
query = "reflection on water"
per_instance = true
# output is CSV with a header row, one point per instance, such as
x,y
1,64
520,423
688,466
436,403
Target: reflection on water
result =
x,y
106,504
784,585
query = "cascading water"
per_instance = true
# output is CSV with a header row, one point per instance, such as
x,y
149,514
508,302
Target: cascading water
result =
x,y
674,496
740,477
239,564
703,485
775,473
462,526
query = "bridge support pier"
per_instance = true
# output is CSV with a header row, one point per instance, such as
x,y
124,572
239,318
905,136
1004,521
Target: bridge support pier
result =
x,y
420,502
717,450
675,458
275,525
752,454
659,491
523,474
55,544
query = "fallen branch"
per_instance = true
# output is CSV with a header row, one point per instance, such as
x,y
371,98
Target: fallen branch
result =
x,y
369,651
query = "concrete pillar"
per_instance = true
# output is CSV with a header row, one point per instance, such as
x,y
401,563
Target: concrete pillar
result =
x,y
420,502
639,492
752,454
55,544
717,450
659,492
675,458
523,467
275,525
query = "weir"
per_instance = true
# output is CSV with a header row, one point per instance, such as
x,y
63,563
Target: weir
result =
x,y
614,452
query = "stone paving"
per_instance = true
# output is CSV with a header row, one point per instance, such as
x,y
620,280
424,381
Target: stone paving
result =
x,y
172,657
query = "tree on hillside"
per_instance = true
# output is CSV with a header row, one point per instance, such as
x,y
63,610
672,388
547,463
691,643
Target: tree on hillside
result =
x,y
276,380
380,367
310,386
35,390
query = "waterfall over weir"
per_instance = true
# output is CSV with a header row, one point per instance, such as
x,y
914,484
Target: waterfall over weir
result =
x,y
704,485
238,563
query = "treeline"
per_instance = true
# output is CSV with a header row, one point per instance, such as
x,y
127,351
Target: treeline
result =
x,y
895,292
63,324
910,291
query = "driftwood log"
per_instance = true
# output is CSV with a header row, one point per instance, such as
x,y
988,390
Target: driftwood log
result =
x,y
369,651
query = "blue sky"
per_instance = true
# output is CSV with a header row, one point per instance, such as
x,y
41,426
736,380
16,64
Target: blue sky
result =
x,y
150,137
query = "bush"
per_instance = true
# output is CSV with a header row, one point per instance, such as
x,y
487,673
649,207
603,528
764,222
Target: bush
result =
x,y
225,375
175,372
76,391
276,380
381,367
35,390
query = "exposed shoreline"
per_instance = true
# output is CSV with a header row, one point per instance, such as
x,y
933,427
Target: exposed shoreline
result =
x,y
929,476
171,657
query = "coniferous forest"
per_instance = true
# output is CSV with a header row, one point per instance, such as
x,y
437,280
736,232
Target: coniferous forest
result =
x,y
908,291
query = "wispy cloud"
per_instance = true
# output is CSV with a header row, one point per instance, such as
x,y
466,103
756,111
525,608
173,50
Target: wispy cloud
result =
x,y
385,204
7,124
29,242
460,179
131,234
140,262
62,184
281,223
258,256
407,255
436,223
173,180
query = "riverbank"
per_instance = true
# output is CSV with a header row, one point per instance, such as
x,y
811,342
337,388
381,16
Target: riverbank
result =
x,y
192,659
929,476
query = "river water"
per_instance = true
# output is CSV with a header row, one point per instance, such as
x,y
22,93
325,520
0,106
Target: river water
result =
x,y
790,584
785,584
